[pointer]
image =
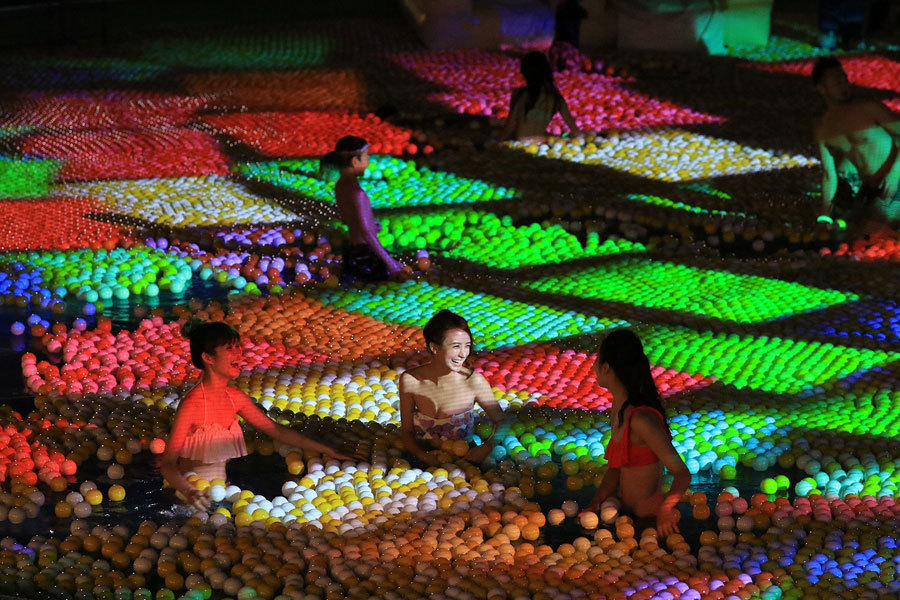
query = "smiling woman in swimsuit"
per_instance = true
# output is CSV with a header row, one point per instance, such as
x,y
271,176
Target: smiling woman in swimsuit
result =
x,y
437,399
206,432
641,443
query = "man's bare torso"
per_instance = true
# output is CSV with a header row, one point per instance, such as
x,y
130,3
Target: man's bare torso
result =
x,y
853,135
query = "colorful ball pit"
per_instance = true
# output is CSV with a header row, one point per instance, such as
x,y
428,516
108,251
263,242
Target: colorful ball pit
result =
x,y
389,182
666,155
129,154
185,201
779,374
309,133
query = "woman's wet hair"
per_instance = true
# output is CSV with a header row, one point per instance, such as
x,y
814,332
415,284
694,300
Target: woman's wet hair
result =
x,y
205,337
623,352
346,149
538,77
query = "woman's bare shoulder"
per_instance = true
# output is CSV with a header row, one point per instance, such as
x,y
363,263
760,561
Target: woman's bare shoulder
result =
x,y
412,376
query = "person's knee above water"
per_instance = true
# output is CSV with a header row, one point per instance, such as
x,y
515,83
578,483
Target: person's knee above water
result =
x,y
363,257
206,432
640,443
437,399
532,107
859,138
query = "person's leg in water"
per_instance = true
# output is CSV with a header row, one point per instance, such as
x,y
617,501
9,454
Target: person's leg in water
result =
x,y
359,262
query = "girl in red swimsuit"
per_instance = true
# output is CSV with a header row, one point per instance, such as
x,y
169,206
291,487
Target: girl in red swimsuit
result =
x,y
206,432
640,444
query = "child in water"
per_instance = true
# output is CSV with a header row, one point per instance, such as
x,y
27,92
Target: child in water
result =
x,y
531,108
206,432
364,256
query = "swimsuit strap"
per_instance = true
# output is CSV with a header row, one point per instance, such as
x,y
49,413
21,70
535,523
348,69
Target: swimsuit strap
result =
x,y
230,399
205,404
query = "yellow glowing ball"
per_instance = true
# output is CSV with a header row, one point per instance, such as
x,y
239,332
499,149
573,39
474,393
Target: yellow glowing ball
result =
x,y
116,493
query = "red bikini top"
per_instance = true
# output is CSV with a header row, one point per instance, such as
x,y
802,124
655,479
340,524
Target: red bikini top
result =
x,y
623,453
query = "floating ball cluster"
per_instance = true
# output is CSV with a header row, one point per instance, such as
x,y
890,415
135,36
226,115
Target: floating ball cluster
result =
x,y
765,363
684,289
34,71
871,71
25,459
26,178
564,378
302,322
389,182
68,111
92,275
155,357
495,321
884,247
320,89
476,236
309,133
286,51
129,154
667,154
76,224
778,49
182,201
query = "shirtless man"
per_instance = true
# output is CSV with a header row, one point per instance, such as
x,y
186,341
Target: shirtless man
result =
x,y
864,135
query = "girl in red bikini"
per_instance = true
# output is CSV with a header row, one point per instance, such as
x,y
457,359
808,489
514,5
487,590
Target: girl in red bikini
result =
x,y
641,443
206,432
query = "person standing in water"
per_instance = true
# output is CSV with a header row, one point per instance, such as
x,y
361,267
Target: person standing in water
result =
x,y
532,107
364,257
861,140
640,444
